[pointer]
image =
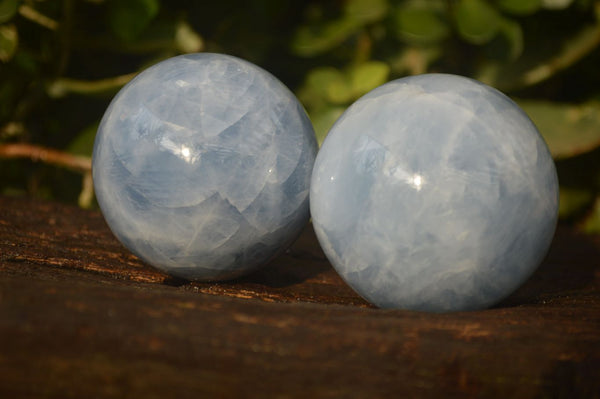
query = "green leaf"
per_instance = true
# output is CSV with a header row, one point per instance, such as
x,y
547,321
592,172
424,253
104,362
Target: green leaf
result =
x,y
8,9
592,222
542,60
319,79
520,7
324,120
26,61
325,36
83,143
477,21
339,92
556,4
420,25
129,18
337,87
573,201
366,11
9,41
513,34
415,60
508,43
314,40
367,76
330,84
186,39
569,130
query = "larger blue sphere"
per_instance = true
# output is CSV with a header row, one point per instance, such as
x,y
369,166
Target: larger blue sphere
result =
x,y
434,193
202,166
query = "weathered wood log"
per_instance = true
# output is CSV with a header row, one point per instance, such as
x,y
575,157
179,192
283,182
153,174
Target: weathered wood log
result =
x,y
82,317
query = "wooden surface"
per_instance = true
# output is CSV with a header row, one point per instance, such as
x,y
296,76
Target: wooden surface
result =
x,y
80,317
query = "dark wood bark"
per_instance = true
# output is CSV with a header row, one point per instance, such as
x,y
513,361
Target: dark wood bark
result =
x,y
82,317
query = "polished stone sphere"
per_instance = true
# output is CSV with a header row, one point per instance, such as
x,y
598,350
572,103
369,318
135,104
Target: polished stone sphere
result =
x,y
202,166
434,193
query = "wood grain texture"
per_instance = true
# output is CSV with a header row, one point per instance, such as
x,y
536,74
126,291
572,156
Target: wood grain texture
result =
x,y
82,317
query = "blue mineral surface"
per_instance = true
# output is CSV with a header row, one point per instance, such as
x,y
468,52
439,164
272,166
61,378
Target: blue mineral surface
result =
x,y
202,166
434,193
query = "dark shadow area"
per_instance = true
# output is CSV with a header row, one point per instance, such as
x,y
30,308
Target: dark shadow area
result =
x,y
277,274
302,273
280,274
173,281
302,261
578,174
570,266
574,379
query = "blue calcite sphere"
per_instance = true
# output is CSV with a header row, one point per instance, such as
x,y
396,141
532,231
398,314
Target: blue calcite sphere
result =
x,y
434,193
202,166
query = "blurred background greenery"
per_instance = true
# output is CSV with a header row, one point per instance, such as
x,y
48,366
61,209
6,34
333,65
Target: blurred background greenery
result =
x,y
61,61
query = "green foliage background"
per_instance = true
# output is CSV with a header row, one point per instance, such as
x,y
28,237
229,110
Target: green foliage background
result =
x,y
61,61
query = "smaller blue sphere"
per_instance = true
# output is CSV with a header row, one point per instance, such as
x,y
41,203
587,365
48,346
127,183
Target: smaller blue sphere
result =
x,y
434,193
202,166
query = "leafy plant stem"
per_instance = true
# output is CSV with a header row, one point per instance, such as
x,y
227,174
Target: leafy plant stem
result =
x,y
578,48
46,155
35,16
86,196
363,47
63,86
65,37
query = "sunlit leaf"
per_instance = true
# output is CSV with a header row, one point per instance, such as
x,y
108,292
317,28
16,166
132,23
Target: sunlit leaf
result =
x,y
367,76
338,87
8,9
313,40
186,39
333,84
339,91
324,120
568,129
366,11
520,7
128,18
477,20
415,60
9,41
319,80
420,25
